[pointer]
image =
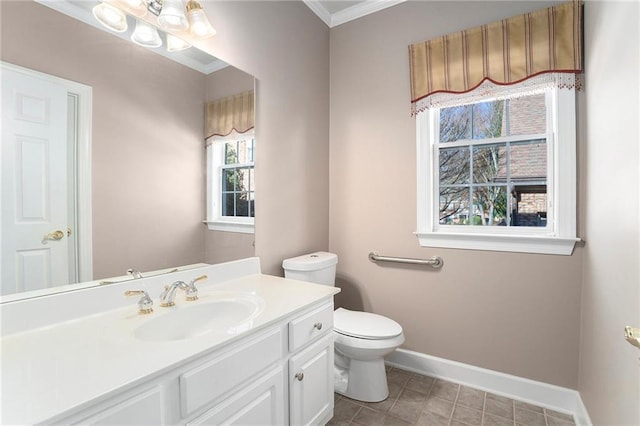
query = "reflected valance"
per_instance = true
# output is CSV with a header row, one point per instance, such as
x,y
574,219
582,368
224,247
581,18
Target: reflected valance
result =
x,y
505,52
226,115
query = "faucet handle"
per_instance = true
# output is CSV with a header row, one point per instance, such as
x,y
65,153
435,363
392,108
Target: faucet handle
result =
x,y
191,291
145,304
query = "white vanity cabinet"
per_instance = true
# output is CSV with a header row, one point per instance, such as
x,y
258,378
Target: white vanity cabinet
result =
x,y
280,374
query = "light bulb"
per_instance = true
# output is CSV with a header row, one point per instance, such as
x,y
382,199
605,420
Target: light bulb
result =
x,y
111,17
198,21
175,44
146,35
172,16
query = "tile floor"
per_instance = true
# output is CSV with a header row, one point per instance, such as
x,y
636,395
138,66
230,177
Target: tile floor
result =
x,y
421,400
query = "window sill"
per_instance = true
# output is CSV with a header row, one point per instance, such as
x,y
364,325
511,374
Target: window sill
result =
x,y
243,228
507,243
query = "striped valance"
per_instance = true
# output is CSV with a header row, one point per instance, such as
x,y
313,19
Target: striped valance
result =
x,y
226,115
505,52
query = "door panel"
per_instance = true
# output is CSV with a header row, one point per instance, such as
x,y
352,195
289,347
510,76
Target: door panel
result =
x,y
34,182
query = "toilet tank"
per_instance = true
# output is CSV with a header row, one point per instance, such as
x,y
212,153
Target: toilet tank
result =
x,y
318,267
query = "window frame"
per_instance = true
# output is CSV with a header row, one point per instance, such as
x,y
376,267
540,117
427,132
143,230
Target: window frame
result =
x,y
558,237
215,164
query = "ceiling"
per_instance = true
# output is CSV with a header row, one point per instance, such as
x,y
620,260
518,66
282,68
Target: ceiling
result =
x,y
336,12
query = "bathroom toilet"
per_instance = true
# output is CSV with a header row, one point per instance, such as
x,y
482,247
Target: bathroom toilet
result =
x,y
362,339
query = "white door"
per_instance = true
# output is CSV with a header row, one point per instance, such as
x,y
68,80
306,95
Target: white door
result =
x,y
34,248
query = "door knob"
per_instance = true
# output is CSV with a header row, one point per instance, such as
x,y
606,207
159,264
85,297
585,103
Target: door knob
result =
x,y
299,376
53,236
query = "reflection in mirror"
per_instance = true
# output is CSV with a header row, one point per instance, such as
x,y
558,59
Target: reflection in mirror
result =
x,y
140,166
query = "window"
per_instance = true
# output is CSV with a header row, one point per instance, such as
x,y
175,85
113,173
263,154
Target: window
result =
x,y
231,183
498,172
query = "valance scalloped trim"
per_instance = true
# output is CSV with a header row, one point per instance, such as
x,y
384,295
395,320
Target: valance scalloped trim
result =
x,y
232,135
226,115
505,52
490,89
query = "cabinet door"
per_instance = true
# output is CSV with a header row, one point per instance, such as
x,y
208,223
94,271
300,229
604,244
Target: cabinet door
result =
x,y
260,404
311,383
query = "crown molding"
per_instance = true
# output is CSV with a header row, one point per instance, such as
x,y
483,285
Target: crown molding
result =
x,y
359,10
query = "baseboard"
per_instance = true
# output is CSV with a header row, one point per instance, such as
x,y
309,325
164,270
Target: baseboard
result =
x,y
542,394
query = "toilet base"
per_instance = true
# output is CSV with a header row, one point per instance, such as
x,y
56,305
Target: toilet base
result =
x,y
362,380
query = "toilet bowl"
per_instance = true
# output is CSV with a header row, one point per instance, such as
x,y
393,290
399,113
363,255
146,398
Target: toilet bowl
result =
x,y
362,339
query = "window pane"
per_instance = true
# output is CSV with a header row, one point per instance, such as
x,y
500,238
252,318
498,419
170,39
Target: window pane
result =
x,y
252,204
529,161
490,164
475,121
455,123
230,153
228,205
530,206
243,151
490,205
252,179
229,179
454,206
242,204
527,115
454,166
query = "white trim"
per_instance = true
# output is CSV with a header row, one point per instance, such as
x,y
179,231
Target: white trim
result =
x,y
351,13
220,225
542,394
84,232
507,243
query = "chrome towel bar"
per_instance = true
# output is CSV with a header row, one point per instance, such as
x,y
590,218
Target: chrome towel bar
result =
x,y
436,261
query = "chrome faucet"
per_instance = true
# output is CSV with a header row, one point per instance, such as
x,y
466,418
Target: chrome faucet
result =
x,y
169,293
134,272
191,291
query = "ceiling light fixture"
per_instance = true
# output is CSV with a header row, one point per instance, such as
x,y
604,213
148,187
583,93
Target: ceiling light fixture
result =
x,y
199,24
146,35
154,6
172,17
111,17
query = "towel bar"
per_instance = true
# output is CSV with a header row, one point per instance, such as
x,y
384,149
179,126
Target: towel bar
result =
x,y
436,261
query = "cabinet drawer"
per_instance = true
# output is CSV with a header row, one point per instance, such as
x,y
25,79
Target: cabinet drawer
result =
x,y
143,408
309,326
218,376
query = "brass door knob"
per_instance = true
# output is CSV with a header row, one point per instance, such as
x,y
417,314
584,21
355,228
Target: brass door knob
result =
x,y
54,236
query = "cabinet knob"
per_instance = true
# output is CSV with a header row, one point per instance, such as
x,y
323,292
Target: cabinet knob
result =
x,y
300,376
318,325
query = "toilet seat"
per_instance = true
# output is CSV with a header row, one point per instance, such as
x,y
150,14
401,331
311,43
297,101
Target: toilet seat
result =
x,y
364,325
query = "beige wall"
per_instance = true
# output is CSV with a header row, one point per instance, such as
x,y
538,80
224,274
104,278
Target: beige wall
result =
x,y
609,379
514,313
148,161
286,47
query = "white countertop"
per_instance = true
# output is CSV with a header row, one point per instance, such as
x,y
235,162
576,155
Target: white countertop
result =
x,y
50,370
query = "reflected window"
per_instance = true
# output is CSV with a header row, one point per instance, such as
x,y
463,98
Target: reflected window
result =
x,y
231,183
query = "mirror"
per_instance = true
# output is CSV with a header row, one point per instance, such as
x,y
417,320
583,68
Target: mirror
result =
x,y
147,164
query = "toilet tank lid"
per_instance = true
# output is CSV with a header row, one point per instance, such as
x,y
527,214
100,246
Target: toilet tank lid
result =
x,y
310,262
365,325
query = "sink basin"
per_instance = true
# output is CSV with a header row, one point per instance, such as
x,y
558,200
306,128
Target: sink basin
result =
x,y
227,315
